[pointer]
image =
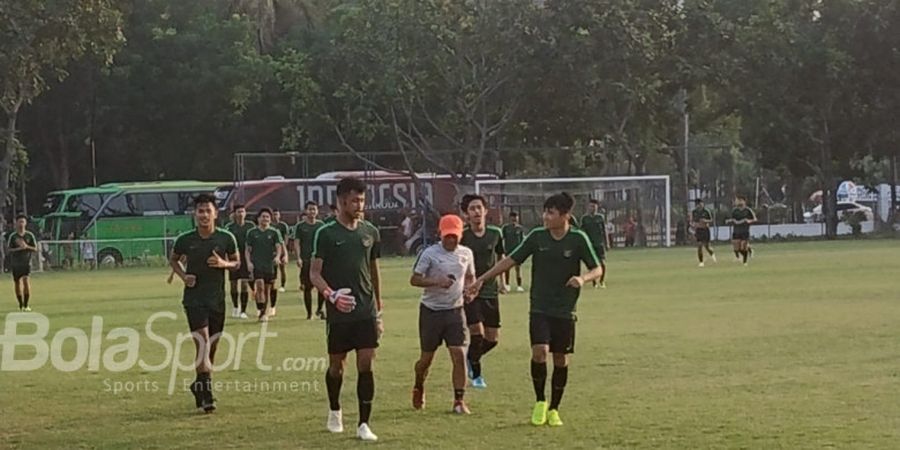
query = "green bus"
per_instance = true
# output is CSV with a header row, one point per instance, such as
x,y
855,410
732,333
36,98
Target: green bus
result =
x,y
121,221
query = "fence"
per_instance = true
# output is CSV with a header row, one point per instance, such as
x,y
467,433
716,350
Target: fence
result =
x,y
102,253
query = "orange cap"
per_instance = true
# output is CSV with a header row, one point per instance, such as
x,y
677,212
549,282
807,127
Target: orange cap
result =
x,y
451,224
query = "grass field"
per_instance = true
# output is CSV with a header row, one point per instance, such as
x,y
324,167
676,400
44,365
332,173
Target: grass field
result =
x,y
797,351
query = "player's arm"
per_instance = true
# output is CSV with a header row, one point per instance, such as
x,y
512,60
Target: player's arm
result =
x,y
248,252
178,251
752,218
375,271
590,259
280,250
419,277
321,247
297,246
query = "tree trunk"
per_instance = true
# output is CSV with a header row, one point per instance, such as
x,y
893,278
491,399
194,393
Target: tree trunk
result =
x,y
829,193
893,212
5,166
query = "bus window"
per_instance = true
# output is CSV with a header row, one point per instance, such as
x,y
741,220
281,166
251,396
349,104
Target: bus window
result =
x,y
149,204
121,205
87,204
173,202
51,204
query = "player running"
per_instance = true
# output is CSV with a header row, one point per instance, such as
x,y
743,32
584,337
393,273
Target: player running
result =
x,y
345,270
239,227
284,229
701,217
443,270
741,219
558,252
21,245
482,313
263,254
207,253
594,225
513,233
303,245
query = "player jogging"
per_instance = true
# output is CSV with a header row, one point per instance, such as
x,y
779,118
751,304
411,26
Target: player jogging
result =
x,y
263,254
443,270
482,313
594,225
303,244
284,229
21,244
701,217
345,270
207,252
741,219
557,252
513,233
239,226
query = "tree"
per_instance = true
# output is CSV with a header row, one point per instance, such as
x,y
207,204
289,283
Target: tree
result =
x,y
40,39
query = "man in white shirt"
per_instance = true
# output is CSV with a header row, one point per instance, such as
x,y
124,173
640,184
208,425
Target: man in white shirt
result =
x,y
443,270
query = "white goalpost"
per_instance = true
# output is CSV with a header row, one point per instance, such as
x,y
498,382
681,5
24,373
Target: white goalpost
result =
x,y
638,209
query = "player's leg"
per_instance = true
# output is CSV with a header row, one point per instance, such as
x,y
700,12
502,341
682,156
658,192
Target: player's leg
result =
x,y
198,322
273,293
261,294
17,285
539,331
429,341
736,246
365,385
491,322
26,291
334,378
307,288
282,269
745,253
474,321
562,343
245,296
519,278
453,332
506,279
700,252
421,373
233,291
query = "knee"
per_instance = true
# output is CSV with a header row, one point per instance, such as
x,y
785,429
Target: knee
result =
x,y
560,360
539,355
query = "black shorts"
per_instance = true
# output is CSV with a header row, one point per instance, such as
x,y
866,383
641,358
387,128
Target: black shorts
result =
x,y
741,236
20,271
265,276
343,337
204,315
448,326
483,310
305,281
702,235
556,332
242,273
601,253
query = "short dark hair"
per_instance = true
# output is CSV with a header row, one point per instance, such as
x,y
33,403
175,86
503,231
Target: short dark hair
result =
x,y
204,198
562,202
741,197
350,184
262,210
21,216
311,203
332,207
469,198
594,201
275,210
513,214
238,206
698,201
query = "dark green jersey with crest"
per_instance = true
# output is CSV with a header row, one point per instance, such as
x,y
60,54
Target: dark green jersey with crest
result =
x,y
698,215
487,248
210,286
594,225
263,248
304,233
347,257
742,214
20,258
513,233
553,263
240,233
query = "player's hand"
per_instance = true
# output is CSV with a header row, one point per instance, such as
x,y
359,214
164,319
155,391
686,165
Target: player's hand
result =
x,y
379,325
171,278
472,290
503,290
276,261
575,282
190,280
446,283
216,261
342,300
299,263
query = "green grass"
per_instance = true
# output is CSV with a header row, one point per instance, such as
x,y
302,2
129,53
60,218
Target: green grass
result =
x,y
797,351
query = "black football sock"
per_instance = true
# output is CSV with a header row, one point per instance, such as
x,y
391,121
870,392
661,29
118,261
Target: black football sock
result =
x,y
539,378
558,385
234,298
321,303
487,346
333,384
25,299
365,392
745,253
19,299
474,355
273,295
307,301
245,298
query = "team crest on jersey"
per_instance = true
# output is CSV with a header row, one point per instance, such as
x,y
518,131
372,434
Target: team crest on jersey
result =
x,y
367,241
567,253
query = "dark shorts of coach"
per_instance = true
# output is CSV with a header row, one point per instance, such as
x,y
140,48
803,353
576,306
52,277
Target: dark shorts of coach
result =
x,y
556,332
448,326
346,336
601,253
206,315
741,236
19,272
305,281
242,273
483,310
702,235
266,277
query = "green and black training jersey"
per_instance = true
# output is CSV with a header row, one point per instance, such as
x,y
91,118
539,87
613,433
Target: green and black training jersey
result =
x,y
700,215
263,248
240,233
284,229
594,225
488,249
304,233
210,285
742,214
553,263
512,235
347,256
21,258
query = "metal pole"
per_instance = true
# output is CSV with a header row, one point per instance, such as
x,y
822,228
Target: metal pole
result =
x,y
94,162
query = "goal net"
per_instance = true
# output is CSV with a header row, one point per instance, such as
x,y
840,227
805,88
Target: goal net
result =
x,y
638,209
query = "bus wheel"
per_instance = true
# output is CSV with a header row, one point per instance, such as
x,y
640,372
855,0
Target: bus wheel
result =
x,y
109,257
